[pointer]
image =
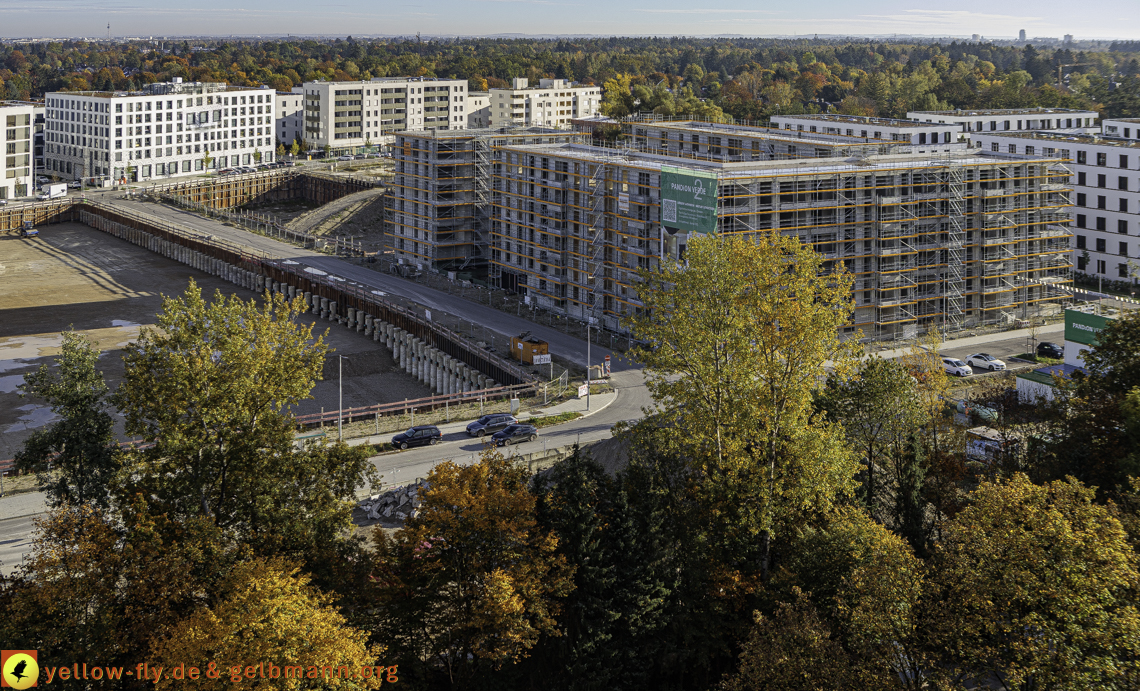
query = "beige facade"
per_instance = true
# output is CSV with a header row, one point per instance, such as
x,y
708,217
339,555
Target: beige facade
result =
x,y
478,110
290,116
17,172
966,240
348,115
553,103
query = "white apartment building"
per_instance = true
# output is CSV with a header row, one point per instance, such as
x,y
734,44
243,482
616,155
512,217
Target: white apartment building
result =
x,y
17,175
478,110
290,113
168,129
1106,193
348,115
553,103
929,137
1010,119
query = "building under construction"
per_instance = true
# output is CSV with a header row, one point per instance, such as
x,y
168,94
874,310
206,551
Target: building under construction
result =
x,y
441,194
712,141
954,240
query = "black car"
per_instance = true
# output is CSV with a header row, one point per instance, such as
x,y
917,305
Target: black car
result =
x,y
514,434
420,435
1050,350
489,424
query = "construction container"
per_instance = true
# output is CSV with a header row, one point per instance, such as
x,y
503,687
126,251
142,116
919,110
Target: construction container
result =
x,y
525,347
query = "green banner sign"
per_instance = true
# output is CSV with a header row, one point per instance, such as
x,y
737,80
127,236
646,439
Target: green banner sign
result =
x,y
1083,328
688,199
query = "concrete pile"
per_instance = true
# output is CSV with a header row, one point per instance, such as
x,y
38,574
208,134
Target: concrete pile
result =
x,y
396,504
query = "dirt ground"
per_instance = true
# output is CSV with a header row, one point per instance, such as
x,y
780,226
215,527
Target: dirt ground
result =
x,y
73,276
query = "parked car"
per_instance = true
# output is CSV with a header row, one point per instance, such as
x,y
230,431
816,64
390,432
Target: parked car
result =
x,y
420,435
956,367
75,184
1050,350
489,424
344,158
985,361
514,434
40,179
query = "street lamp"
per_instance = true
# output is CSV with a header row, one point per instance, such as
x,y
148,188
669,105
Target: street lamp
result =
x,y
588,361
340,398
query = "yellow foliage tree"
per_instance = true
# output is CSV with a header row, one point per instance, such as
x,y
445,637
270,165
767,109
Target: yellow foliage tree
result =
x,y
472,574
270,630
737,340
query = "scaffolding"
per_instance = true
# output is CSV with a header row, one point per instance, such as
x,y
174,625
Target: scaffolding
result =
x,y
952,241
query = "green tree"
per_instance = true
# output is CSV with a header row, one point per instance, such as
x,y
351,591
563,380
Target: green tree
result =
x,y
207,160
257,155
1036,587
76,458
876,406
280,150
294,148
208,389
617,97
736,341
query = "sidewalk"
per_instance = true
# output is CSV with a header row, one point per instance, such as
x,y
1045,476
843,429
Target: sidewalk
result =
x,y
575,405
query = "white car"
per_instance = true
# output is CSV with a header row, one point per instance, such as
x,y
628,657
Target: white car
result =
x,y
956,367
75,184
985,361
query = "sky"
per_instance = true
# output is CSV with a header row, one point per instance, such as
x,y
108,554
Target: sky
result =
x,y
1090,19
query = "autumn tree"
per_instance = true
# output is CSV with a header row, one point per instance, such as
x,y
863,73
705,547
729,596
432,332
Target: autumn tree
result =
x,y
736,341
75,458
267,614
1036,587
208,390
471,581
102,586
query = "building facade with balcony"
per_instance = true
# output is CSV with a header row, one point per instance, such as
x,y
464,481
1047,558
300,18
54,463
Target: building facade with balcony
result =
x,y
1106,193
969,239
439,203
350,116
722,142
17,167
289,112
925,137
987,120
168,129
553,103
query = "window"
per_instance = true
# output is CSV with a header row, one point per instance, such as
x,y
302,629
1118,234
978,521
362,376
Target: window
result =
x,y
1100,266
1102,159
1029,150
1012,148
1102,181
1082,158
1100,245
1123,249
1122,226
1082,199
1123,160
1122,269
1123,205
1101,223
1082,179
1081,263
995,148
1122,183
1080,242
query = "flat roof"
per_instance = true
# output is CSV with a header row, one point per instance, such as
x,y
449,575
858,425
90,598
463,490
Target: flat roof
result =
x,y
1136,120
801,166
1003,111
1060,138
860,119
490,132
821,138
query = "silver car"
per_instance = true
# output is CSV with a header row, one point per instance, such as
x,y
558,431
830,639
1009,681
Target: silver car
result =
x,y
985,361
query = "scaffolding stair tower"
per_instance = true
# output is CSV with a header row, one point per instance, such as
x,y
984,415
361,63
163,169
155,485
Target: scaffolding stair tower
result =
x,y
955,292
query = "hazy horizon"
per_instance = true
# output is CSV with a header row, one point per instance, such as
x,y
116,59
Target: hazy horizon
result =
x,y
1098,19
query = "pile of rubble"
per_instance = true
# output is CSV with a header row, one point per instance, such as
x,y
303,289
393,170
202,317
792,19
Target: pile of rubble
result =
x,y
395,505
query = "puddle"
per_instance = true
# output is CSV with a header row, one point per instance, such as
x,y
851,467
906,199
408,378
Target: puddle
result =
x,y
124,323
336,278
315,272
290,262
379,292
36,416
9,383
9,365
30,347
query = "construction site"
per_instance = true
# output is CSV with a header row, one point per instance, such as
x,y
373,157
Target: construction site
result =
x,y
437,209
951,241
